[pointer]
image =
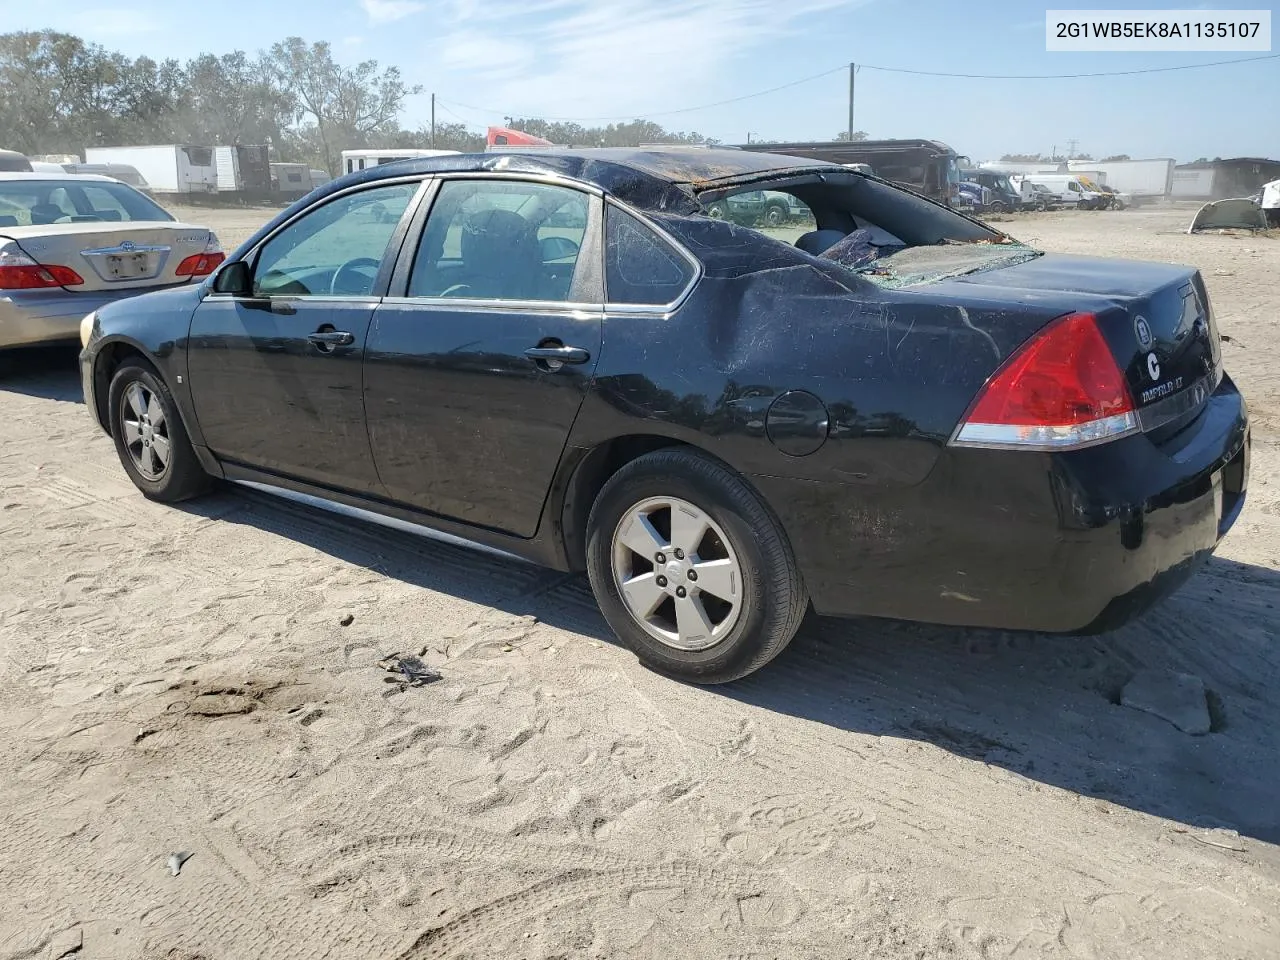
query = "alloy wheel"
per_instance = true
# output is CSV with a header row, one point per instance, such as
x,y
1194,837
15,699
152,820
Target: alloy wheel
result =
x,y
146,431
677,573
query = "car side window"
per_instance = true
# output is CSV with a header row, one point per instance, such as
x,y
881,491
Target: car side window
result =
x,y
639,266
336,249
500,240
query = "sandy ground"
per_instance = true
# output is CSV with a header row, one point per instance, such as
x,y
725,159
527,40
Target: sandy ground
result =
x,y
181,680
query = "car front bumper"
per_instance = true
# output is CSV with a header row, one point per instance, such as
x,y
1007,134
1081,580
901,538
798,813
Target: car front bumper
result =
x,y
38,317
1075,542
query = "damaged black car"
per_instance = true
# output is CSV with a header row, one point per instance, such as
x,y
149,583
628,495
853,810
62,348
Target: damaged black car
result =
x,y
874,407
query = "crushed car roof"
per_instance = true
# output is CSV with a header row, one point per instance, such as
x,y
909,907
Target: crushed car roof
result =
x,y
648,178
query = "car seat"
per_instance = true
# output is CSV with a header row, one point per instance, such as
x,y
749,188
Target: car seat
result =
x,y
8,221
43,213
815,242
501,258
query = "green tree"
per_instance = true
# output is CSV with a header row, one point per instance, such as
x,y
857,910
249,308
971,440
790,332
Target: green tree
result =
x,y
346,105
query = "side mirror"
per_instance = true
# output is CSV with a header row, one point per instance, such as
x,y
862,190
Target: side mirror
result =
x,y
234,278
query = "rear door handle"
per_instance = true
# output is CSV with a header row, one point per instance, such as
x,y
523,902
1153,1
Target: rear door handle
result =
x,y
331,338
558,354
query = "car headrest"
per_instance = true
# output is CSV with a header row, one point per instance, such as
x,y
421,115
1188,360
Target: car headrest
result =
x,y
8,221
43,213
500,250
816,241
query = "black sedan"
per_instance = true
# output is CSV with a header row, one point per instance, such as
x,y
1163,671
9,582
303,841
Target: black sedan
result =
x,y
895,411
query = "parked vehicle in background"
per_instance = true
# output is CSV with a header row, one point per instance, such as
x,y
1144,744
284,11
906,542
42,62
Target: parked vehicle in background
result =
x,y
783,208
905,413
70,243
13,162
1118,200
1034,196
1005,196
929,167
354,160
744,208
1069,190
319,178
243,170
46,166
972,197
116,171
1269,201
290,181
170,170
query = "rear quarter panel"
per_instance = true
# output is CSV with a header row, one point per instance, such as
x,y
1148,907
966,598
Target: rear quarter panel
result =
x,y
895,369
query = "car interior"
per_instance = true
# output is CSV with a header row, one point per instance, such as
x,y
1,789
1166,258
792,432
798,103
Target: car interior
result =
x,y
474,249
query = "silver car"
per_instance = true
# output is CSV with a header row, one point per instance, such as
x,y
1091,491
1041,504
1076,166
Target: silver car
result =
x,y
70,244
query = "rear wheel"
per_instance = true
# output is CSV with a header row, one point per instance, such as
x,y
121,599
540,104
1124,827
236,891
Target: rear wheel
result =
x,y
776,215
691,569
150,438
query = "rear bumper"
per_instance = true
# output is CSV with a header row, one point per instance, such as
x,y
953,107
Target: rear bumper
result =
x,y
1077,542
34,317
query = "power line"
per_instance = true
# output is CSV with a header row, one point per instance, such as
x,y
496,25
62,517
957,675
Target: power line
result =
x,y
861,66
1068,76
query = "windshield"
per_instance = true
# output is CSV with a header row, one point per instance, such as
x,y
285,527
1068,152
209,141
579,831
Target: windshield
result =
x,y
26,203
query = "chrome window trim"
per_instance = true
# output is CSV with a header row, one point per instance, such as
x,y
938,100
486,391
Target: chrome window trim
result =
x,y
562,307
452,304
662,310
421,179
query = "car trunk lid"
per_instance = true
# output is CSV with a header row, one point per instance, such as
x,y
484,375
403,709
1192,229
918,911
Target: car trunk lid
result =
x,y
114,256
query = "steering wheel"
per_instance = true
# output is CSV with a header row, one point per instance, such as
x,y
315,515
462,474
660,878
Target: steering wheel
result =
x,y
349,266
456,288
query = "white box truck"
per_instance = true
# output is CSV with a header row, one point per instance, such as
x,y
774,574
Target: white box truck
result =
x,y
171,169
1141,179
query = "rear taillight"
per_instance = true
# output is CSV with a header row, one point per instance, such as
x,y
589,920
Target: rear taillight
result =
x,y
1061,390
202,264
19,272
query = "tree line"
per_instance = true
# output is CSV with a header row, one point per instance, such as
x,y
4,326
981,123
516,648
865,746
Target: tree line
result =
x,y
59,95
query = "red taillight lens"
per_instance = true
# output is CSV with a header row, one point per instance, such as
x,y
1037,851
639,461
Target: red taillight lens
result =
x,y
35,276
200,264
1062,389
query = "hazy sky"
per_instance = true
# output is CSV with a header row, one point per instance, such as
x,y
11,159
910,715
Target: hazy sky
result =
x,y
618,59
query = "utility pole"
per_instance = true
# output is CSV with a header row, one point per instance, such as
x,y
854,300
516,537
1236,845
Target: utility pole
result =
x,y
748,136
1071,148
433,121
852,73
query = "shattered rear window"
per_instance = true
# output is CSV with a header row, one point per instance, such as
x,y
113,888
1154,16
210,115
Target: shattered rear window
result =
x,y
901,266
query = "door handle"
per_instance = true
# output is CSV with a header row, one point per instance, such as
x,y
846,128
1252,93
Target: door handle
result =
x,y
331,338
558,354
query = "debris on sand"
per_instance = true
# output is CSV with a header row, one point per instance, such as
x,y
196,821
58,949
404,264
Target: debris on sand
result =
x,y
1176,697
176,860
410,670
346,619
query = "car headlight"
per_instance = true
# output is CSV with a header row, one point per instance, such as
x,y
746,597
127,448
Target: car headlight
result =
x,y
86,327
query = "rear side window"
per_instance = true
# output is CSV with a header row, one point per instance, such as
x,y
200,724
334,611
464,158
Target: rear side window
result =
x,y
640,267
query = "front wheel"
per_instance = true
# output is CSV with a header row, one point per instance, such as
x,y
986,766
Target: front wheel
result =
x,y
150,437
691,569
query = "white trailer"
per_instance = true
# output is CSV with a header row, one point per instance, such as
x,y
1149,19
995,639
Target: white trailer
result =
x,y
173,169
353,160
1141,179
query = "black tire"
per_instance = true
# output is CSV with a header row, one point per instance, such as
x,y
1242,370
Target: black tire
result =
x,y
998,206
182,477
718,211
774,600
776,216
